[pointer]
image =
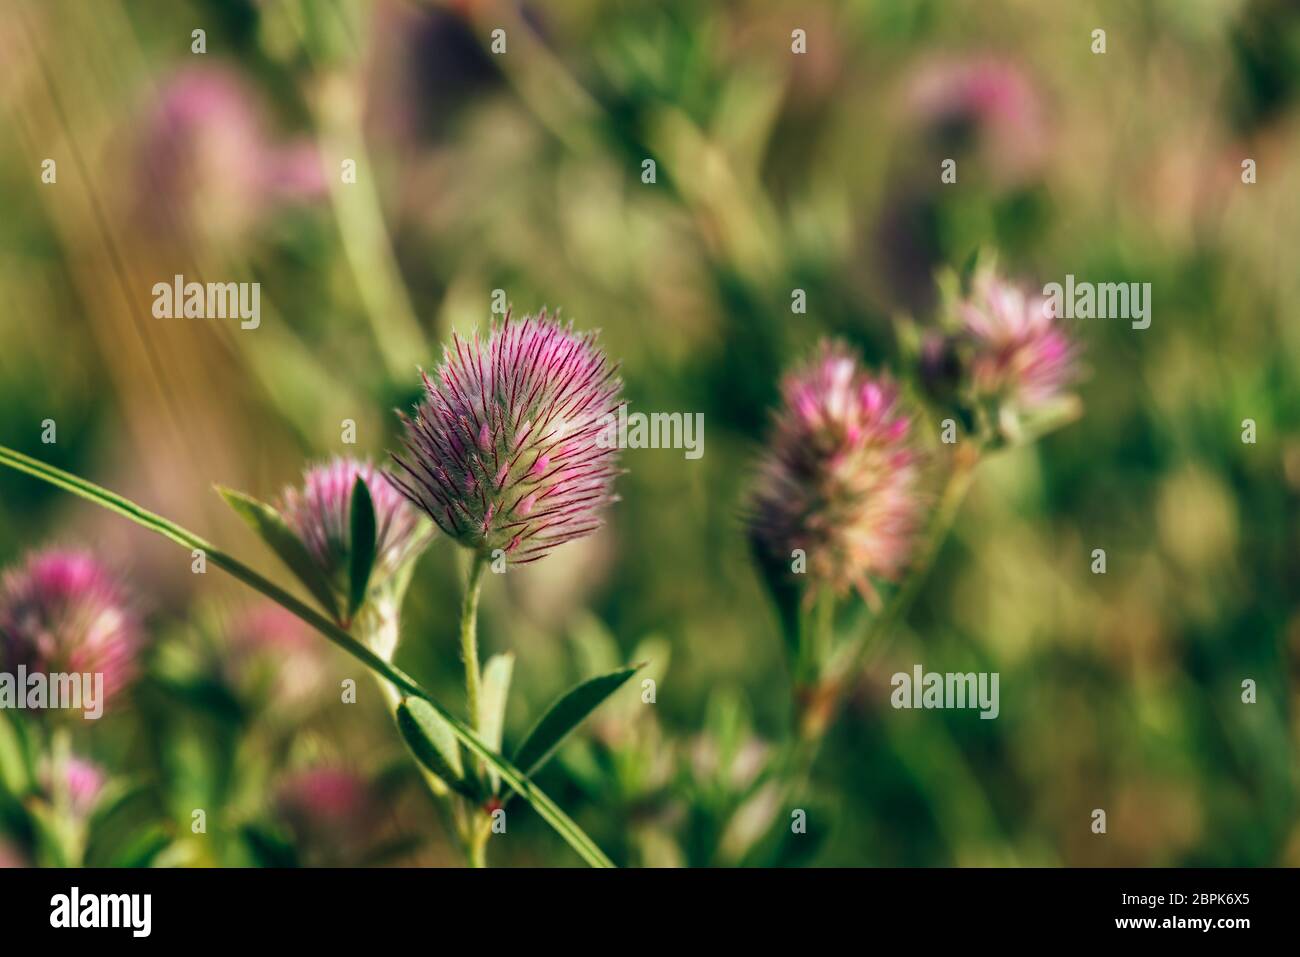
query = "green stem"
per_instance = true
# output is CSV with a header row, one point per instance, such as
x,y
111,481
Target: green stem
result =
x,y
335,99
469,637
825,633
478,854
512,776
480,831
884,625
475,836
796,762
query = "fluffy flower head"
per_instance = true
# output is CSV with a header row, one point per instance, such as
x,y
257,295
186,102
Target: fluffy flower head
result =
x,y
840,480
505,451
62,611
1021,353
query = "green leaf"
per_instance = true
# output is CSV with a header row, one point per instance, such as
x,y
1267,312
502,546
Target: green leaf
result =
x,y
115,796
564,715
799,850
203,694
143,849
432,741
15,773
541,802
492,705
268,847
119,810
51,833
362,546
271,528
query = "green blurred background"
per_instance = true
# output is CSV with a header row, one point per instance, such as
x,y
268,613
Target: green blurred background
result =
x,y
819,171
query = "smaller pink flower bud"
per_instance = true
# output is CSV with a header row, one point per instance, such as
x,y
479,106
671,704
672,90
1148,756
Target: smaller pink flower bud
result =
x,y
320,513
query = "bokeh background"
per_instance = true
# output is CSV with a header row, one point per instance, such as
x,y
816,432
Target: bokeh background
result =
x,y
774,171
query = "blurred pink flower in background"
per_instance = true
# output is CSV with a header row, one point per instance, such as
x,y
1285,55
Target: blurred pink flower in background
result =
x,y
62,611
270,627
331,812
268,640
985,99
207,164
840,478
10,856
84,782
328,797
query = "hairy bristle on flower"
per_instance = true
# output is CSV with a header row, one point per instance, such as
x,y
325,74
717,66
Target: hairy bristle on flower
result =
x,y
840,478
61,611
504,451
1021,353
320,513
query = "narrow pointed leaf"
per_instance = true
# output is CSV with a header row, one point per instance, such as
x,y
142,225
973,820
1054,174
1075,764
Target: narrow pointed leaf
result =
x,y
362,544
541,802
271,528
145,849
565,715
268,848
15,768
492,705
433,742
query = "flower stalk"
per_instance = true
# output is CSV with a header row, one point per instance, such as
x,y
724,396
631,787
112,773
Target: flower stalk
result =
x,y
469,637
818,704
475,826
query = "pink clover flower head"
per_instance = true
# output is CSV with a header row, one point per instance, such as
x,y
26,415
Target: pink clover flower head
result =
x,y
840,481
509,448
